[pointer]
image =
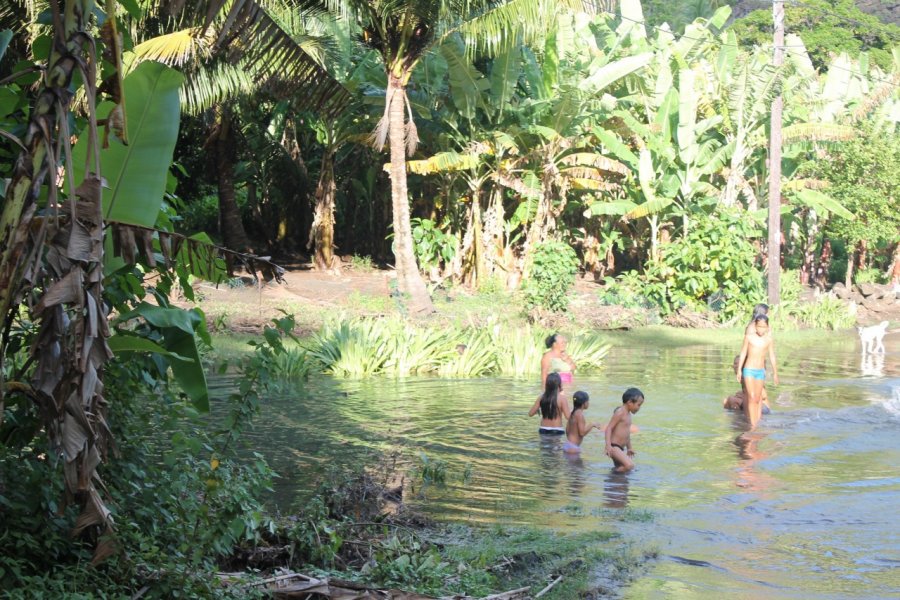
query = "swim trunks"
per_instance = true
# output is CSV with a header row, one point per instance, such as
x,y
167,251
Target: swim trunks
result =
x,y
551,430
570,447
749,373
622,448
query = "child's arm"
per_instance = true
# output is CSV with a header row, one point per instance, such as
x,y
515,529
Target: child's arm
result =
x,y
584,427
535,408
742,357
772,361
630,451
610,427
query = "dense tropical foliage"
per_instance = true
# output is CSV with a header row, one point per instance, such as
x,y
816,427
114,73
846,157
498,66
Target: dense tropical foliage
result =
x,y
146,145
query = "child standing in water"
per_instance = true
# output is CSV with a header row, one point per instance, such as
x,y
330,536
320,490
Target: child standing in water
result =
x,y
752,364
578,427
618,430
553,407
737,399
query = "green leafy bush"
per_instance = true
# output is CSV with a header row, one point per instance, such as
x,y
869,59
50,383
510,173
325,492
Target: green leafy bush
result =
x,y
431,245
828,312
553,271
363,264
870,275
634,290
714,264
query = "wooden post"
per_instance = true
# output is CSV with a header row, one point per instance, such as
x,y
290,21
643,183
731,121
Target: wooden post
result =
x,y
774,263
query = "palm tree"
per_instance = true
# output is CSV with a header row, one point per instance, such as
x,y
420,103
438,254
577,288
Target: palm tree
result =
x,y
402,33
234,51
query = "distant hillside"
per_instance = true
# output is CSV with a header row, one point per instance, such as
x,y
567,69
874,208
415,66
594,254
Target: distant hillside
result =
x,y
887,11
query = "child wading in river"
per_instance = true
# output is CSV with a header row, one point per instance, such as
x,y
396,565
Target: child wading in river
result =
x,y
618,430
752,363
578,427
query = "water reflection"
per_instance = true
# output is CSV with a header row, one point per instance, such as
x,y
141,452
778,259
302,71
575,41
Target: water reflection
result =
x,y
577,474
872,365
615,490
750,476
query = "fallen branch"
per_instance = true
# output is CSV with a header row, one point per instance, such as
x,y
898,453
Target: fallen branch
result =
x,y
510,595
548,588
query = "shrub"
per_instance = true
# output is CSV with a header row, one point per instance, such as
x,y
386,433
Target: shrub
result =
x,y
431,245
828,312
362,264
552,275
870,275
713,265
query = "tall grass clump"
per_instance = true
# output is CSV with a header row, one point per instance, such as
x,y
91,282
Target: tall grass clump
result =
x,y
351,348
475,354
293,363
362,347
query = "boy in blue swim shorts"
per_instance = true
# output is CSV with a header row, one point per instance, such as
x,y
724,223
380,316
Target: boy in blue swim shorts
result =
x,y
758,344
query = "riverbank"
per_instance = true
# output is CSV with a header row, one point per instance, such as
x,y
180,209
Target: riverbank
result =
x,y
356,533
246,307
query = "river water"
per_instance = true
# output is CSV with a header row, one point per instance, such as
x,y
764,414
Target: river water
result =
x,y
807,506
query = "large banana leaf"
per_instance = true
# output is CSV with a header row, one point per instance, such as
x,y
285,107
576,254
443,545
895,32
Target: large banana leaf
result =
x,y
687,117
179,329
632,19
136,174
466,82
823,203
442,162
615,208
614,71
612,143
504,77
5,36
551,64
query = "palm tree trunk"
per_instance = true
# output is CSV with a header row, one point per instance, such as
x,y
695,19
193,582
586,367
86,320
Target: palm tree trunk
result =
x,y
408,278
321,233
234,235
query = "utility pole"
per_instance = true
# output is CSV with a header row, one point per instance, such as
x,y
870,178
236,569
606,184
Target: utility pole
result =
x,y
775,163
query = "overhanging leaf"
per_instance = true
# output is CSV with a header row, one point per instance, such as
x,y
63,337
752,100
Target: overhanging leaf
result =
x,y
123,343
823,203
136,174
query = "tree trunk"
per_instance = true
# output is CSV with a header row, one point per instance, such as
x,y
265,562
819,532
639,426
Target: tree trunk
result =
x,y
70,345
654,238
809,247
234,235
862,260
408,278
321,233
493,232
824,265
851,260
894,271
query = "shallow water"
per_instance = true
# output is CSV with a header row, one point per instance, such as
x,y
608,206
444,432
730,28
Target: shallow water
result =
x,y
806,506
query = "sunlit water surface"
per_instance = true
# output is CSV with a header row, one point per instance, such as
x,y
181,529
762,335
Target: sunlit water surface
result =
x,y
806,506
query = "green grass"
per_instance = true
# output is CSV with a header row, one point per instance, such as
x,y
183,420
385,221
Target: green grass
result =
x,y
522,556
